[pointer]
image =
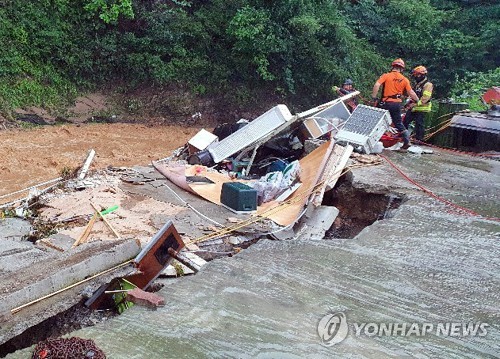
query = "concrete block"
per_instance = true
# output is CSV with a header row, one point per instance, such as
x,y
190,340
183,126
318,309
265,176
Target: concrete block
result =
x,y
14,228
61,241
68,269
285,234
145,299
15,255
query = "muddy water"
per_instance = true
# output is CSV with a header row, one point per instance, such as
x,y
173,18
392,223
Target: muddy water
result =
x,y
29,157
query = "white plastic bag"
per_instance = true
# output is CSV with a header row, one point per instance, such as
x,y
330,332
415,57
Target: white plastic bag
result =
x,y
271,185
268,186
378,148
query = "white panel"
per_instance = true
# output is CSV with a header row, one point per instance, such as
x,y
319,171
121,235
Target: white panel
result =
x,y
364,127
251,133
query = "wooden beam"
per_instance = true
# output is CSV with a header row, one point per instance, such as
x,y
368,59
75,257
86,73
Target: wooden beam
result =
x,y
83,237
86,165
105,220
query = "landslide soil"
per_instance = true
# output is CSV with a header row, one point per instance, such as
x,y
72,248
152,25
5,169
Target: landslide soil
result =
x,y
32,156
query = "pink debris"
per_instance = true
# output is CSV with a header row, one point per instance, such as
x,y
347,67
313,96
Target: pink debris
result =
x,y
146,299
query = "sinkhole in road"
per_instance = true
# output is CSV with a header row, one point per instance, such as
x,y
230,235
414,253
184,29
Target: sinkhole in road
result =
x,y
359,207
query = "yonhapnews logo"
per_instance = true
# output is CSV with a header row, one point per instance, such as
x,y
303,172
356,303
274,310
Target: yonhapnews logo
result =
x,y
333,328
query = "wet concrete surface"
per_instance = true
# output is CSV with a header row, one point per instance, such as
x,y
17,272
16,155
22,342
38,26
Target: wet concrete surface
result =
x,y
425,264
28,273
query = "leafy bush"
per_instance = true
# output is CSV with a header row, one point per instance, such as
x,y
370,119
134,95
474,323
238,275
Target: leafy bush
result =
x,y
473,86
293,49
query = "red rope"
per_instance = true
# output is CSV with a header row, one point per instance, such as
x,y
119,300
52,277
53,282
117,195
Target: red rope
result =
x,y
441,199
474,154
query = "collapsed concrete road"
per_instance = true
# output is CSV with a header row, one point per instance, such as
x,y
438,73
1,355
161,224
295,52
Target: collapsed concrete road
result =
x,y
424,263
28,273
31,271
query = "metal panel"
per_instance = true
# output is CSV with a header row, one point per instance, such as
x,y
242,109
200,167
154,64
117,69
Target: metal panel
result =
x,y
364,127
327,120
251,133
479,123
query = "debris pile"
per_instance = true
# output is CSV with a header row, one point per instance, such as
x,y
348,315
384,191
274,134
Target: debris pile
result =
x,y
62,348
242,182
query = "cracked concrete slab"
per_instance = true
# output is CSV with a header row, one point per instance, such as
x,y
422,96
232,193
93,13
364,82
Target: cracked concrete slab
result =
x,y
14,228
427,263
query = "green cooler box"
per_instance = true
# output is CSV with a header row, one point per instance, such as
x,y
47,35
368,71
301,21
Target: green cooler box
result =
x,y
238,197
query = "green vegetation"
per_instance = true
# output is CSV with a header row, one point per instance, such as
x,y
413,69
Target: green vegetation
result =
x,y
473,86
294,49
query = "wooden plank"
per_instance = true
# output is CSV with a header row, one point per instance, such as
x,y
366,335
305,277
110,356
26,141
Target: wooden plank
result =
x,y
105,221
83,237
333,169
339,167
86,165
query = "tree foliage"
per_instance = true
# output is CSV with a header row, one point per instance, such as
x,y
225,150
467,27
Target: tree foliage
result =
x,y
472,87
110,11
295,49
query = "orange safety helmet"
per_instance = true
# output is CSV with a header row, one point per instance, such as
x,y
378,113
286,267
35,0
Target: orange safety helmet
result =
x,y
419,70
398,63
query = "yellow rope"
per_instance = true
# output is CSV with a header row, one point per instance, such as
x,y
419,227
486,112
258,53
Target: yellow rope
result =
x,y
428,136
438,125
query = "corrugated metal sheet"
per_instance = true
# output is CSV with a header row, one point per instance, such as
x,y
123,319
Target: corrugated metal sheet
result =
x,y
477,122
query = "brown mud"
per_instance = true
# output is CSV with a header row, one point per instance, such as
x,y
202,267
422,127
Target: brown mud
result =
x,y
32,156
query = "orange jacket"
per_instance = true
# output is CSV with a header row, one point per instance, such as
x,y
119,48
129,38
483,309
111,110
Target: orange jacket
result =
x,y
395,85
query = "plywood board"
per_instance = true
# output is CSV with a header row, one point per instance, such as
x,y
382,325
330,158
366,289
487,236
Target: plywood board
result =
x,y
209,191
333,169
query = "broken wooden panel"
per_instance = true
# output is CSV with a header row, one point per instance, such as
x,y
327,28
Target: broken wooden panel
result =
x,y
333,170
150,262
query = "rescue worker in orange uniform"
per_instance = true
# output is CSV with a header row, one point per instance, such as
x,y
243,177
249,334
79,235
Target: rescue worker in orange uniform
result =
x,y
395,86
417,110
